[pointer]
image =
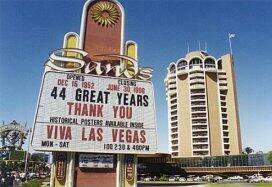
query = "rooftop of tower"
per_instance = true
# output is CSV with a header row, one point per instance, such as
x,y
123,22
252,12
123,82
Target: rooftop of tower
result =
x,y
199,54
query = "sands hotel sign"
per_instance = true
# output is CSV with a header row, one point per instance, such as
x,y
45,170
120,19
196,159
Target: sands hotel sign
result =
x,y
94,97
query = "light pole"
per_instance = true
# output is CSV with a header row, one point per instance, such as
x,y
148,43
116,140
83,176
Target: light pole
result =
x,y
26,157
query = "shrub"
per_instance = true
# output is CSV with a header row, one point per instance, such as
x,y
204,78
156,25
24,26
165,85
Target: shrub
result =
x,y
33,183
163,178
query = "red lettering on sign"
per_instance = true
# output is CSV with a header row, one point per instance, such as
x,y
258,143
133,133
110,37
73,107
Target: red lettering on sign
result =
x,y
142,134
93,134
79,109
122,112
99,111
113,87
49,131
99,133
135,137
121,135
61,132
114,134
128,136
56,132
70,107
62,82
115,108
83,134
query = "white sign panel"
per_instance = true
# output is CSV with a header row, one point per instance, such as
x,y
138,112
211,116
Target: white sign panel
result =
x,y
95,161
86,113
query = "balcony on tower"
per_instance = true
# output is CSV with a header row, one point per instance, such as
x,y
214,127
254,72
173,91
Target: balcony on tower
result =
x,y
198,103
197,86
210,64
200,152
199,134
182,67
200,140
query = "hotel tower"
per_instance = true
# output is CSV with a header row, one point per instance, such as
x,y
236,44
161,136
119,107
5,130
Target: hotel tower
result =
x,y
203,115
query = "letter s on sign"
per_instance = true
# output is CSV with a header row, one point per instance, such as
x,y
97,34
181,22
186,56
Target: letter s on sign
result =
x,y
58,57
145,73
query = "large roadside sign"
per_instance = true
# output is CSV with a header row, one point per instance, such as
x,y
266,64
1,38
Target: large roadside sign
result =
x,y
87,113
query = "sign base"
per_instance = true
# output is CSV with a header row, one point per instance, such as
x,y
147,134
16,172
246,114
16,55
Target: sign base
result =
x,y
122,174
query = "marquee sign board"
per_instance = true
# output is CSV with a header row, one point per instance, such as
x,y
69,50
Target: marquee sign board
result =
x,y
87,113
95,161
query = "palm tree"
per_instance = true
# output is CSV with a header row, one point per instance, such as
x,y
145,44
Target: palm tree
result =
x,y
249,150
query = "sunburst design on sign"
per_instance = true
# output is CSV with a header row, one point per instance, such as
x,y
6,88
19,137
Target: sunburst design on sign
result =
x,y
105,13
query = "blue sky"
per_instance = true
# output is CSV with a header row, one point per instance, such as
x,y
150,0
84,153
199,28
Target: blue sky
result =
x,y
30,30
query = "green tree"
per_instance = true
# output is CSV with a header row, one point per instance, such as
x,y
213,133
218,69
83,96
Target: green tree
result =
x,y
3,166
36,158
17,155
269,156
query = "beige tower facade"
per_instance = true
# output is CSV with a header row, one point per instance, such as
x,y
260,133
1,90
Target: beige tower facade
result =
x,y
203,117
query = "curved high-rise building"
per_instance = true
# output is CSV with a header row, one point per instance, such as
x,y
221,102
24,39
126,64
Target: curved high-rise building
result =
x,y
203,115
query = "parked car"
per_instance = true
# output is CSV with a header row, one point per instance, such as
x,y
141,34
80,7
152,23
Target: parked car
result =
x,y
172,179
256,178
268,179
237,177
189,179
182,179
197,178
207,177
217,178
31,175
146,179
177,177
